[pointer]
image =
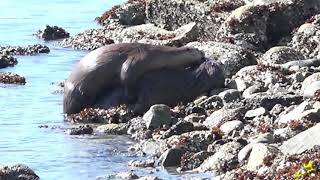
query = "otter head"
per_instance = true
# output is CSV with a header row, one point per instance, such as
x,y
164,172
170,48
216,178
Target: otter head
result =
x,y
189,55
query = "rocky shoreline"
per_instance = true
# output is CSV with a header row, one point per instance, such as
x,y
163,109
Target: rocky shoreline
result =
x,y
263,124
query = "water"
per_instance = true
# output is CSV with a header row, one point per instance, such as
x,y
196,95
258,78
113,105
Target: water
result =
x,y
51,153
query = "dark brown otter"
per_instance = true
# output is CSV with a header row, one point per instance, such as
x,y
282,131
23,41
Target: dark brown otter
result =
x,y
102,68
167,86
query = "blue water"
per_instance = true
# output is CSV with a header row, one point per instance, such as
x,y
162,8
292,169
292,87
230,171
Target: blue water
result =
x,y
50,152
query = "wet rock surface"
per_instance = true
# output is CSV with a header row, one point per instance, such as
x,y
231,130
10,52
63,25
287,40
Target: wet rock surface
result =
x,y
17,172
263,123
80,130
28,50
52,33
11,78
7,60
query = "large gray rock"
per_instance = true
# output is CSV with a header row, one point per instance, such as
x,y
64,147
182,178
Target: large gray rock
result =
x,y
17,172
303,141
231,126
172,157
171,15
258,154
281,55
311,90
309,80
223,160
150,34
129,13
259,25
223,115
230,95
306,38
157,116
306,110
246,27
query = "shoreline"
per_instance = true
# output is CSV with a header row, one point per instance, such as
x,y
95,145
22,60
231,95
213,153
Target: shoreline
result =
x,y
263,123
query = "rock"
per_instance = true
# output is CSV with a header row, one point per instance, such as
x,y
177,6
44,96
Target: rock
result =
x,y
245,152
223,115
262,138
256,112
246,26
258,74
230,95
157,36
172,157
268,101
281,55
309,80
11,78
126,175
191,161
130,13
230,175
225,5
28,50
149,178
306,40
223,160
90,39
231,126
118,129
7,61
153,147
213,102
195,118
277,109
252,89
143,164
256,25
232,57
194,141
295,114
86,129
195,109
171,15
177,129
17,172
157,116
301,142
88,115
312,90
52,33
265,138
258,154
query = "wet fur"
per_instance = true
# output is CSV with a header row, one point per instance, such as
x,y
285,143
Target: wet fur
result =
x,y
86,84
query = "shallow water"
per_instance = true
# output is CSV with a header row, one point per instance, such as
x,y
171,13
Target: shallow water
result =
x,y
51,152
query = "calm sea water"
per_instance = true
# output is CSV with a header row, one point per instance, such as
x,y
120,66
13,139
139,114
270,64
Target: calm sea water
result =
x,y
51,152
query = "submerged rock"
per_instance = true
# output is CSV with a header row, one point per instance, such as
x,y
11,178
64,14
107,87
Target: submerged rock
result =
x,y
7,60
17,172
28,50
87,129
52,33
11,78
